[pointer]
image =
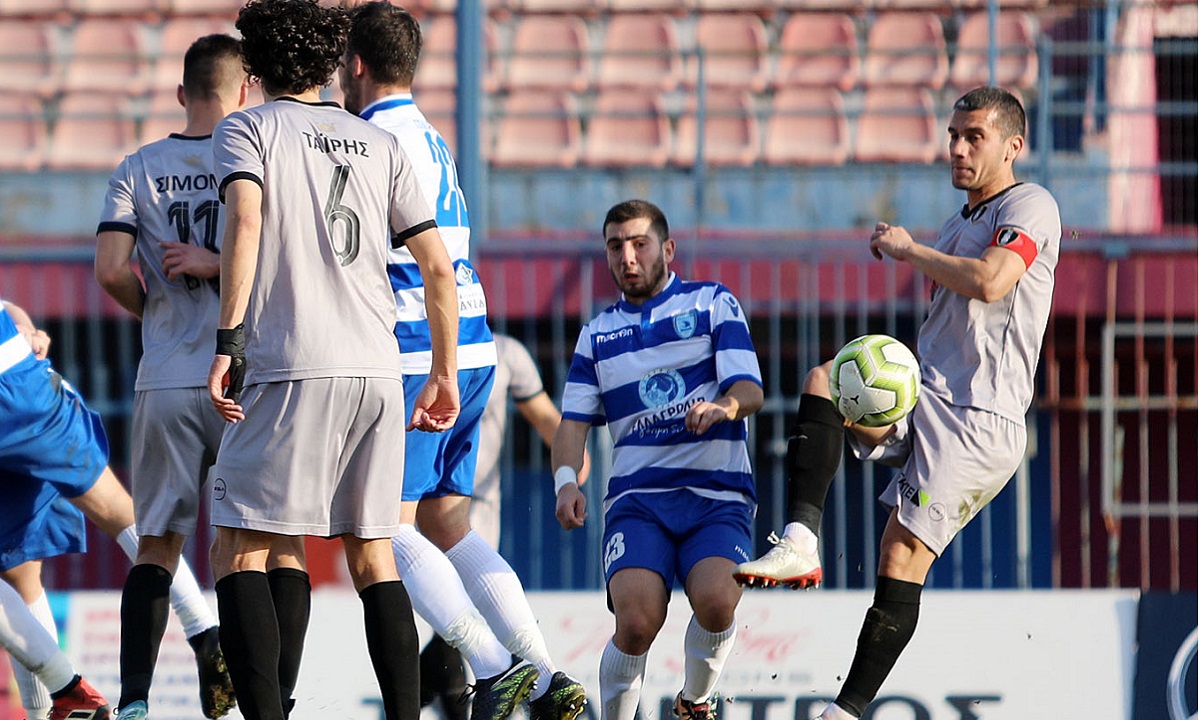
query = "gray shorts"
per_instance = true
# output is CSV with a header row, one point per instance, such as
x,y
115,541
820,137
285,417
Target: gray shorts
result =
x,y
951,462
322,456
176,433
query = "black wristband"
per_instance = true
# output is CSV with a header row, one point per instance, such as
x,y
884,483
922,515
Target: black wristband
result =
x,y
232,342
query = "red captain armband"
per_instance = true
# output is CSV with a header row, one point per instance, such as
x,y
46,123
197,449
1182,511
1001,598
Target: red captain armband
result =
x,y
1016,240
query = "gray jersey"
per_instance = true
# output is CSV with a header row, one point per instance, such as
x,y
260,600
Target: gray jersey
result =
x,y
984,355
516,376
166,191
335,190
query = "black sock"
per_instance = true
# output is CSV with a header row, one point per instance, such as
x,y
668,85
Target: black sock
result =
x,y
291,593
888,627
813,456
250,642
442,675
145,604
393,645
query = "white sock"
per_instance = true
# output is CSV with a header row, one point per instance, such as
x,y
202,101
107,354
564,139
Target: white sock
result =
x,y
188,602
705,654
28,642
438,595
620,683
35,697
801,536
833,711
497,593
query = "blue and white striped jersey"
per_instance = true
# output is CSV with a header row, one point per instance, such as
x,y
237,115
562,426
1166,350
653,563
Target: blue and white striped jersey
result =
x,y
639,368
14,348
438,178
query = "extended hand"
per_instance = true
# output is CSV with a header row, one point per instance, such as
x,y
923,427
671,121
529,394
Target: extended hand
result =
x,y
218,382
893,241
437,406
186,259
571,507
703,415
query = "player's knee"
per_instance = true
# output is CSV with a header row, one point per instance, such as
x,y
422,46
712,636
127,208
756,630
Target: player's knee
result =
x,y
636,631
161,550
715,610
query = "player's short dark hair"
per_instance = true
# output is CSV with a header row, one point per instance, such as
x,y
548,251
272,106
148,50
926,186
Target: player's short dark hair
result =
x,y
292,45
635,209
388,39
1010,116
210,63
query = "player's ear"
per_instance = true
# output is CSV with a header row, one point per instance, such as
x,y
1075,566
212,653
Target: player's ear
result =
x,y
355,66
179,96
669,250
1015,144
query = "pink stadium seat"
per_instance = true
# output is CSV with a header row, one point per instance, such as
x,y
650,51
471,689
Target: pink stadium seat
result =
x,y
448,7
843,6
906,48
164,115
627,128
1016,4
437,68
549,51
538,129
759,7
1016,60
807,126
29,62
897,125
735,51
177,36
674,7
116,7
223,8
32,7
640,51
93,131
731,131
818,49
23,127
108,55
572,7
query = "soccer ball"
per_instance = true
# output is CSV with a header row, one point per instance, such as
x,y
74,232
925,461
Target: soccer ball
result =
x,y
875,380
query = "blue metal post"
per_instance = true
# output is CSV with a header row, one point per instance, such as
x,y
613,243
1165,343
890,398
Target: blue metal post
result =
x,y
472,170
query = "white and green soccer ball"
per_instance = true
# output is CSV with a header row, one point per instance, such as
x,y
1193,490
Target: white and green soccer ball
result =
x,y
875,380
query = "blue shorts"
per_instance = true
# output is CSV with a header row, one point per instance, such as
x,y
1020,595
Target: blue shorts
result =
x,y
440,464
52,447
669,532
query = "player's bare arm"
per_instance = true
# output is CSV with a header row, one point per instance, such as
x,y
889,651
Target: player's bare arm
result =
x,y
541,412
987,278
181,259
567,456
239,263
741,400
35,336
114,249
437,405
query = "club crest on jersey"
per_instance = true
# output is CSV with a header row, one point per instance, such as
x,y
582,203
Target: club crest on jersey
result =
x,y
1007,236
464,275
661,387
685,324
